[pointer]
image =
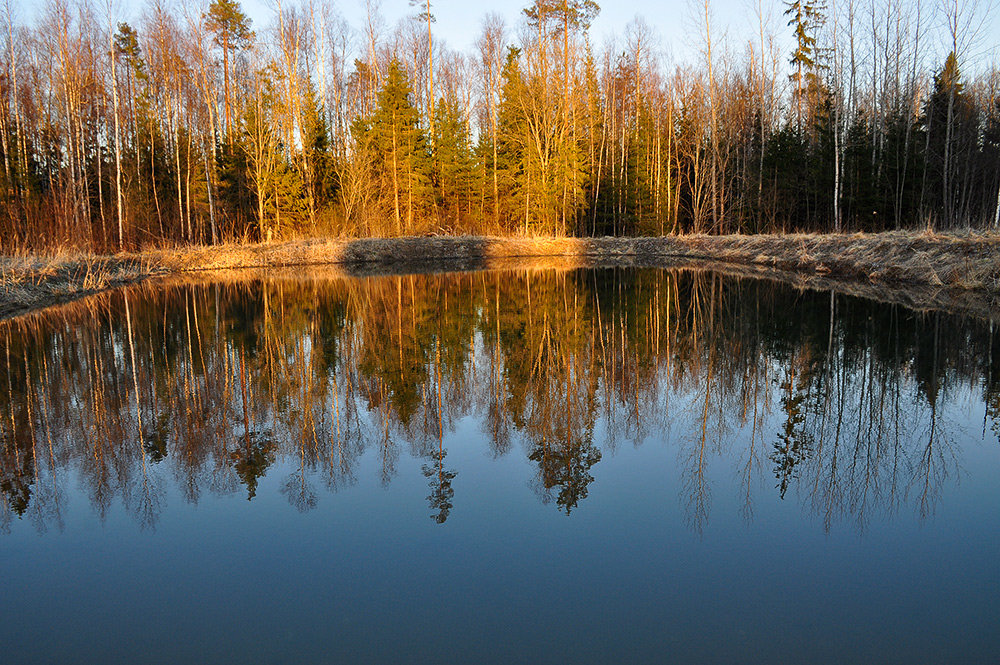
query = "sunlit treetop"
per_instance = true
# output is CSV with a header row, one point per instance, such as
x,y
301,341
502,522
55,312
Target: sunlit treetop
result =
x,y
806,17
231,26
578,14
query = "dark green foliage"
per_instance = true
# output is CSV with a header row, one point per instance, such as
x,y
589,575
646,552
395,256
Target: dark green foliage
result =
x,y
316,140
453,162
235,191
952,127
511,167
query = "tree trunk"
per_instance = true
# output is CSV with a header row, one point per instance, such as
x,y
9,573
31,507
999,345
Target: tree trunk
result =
x,y
118,141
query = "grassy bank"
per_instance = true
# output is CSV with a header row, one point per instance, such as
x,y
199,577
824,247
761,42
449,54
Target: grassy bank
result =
x,y
919,269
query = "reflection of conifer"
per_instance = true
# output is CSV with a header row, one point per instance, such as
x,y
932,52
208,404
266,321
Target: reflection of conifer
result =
x,y
442,492
16,478
992,384
156,437
568,468
252,460
794,443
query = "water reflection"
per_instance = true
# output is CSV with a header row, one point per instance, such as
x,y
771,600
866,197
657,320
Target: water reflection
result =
x,y
848,407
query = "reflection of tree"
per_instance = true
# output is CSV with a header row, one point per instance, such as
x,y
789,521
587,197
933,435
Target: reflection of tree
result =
x,y
793,445
934,460
299,491
566,467
252,459
442,492
753,413
154,443
441,489
993,409
230,379
16,479
145,499
991,384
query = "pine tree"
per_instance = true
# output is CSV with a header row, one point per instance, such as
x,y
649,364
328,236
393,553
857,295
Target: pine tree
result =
x,y
232,31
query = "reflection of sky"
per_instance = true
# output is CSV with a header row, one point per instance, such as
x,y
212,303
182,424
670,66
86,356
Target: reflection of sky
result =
x,y
367,576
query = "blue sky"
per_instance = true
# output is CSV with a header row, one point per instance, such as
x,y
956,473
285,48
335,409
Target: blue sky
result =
x,y
677,23
458,21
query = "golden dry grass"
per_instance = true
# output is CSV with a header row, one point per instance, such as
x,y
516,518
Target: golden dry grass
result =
x,y
938,266
29,282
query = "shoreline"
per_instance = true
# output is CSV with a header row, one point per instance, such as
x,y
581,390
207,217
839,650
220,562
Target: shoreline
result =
x,y
919,270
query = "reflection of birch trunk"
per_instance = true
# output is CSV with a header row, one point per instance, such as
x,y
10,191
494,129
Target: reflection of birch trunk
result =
x,y
699,498
756,428
135,376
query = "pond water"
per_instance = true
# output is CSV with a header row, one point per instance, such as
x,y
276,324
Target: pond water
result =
x,y
612,465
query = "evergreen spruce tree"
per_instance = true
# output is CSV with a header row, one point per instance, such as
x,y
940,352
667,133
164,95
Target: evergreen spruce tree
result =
x,y
235,190
280,190
318,178
805,17
512,173
951,124
453,166
991,157
399,154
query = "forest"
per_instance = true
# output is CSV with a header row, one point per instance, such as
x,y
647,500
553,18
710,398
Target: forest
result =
x,y
189,124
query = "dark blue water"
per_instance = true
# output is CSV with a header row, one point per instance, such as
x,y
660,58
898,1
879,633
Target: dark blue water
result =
x,y
581,466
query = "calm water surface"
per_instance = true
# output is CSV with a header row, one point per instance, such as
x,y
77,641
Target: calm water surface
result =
x,y
509,467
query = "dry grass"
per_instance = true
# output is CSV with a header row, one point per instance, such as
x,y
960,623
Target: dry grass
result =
x,y
914,268
29,282
965,261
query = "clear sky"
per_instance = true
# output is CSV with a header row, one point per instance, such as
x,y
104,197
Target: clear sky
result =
x,y
677,23
458,21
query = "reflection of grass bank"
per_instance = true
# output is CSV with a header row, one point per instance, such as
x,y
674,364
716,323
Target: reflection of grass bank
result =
x,y
957,265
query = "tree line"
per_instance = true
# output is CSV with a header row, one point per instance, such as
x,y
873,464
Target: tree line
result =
x,y
188,124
